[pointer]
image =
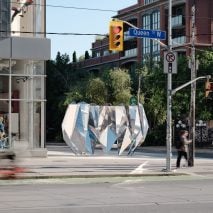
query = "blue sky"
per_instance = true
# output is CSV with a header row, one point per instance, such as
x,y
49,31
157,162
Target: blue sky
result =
x,y
70,20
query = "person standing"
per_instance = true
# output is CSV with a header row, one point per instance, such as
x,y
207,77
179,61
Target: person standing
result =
x,y
182,149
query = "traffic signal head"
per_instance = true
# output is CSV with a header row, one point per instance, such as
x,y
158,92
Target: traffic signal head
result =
x,y
116,36
208,88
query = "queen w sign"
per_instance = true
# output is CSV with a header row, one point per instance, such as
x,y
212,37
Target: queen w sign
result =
x,y
153,34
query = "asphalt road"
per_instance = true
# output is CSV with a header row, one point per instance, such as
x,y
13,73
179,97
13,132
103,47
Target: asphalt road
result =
x,y
103,195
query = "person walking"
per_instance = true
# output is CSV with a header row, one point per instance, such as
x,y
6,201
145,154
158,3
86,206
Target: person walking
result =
x,y
182,147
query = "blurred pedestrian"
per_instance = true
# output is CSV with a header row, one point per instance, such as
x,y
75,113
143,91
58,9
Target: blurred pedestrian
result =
x,y
182,147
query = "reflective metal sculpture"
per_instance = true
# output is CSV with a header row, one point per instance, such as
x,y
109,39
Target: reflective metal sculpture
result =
x,y
84,126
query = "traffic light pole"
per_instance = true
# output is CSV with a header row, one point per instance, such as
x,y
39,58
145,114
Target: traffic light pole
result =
x,y
169,96
190,82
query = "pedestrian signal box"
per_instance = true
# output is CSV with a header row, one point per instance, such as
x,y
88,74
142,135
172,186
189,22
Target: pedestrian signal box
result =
x,y
116,36
208,88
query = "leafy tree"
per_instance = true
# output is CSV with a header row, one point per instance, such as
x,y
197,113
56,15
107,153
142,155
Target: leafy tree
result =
x,y
73,96
204,108
59,80
96,91
86,55
181,100
62,59
81,58
120,85
74,57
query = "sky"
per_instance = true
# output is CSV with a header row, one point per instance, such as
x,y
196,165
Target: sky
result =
x,y
73,20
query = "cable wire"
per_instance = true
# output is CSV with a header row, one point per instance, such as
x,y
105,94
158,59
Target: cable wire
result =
x,y
70,7
96,9
52,33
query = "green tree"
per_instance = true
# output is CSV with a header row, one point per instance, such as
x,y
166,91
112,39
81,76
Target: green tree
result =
x,y
204,108
96,91
120,84
74,57
60,76
86,55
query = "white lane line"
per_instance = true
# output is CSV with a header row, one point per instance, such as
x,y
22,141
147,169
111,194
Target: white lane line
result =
x,y
139,169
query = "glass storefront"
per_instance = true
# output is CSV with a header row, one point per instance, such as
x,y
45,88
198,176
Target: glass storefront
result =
x,y
22,103
22,76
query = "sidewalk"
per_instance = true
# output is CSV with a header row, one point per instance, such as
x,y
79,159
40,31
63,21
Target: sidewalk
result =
x,y
147,161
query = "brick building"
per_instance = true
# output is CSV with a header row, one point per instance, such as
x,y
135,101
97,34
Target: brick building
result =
x,y
153,15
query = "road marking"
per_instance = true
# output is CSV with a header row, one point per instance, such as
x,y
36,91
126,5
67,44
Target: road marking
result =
x,y
139,169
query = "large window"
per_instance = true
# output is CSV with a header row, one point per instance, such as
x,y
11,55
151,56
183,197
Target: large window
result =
x,y
146,42
22,102
150,47
155,26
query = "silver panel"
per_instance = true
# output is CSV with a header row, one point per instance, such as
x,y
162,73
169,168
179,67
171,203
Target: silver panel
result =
x,y
25,48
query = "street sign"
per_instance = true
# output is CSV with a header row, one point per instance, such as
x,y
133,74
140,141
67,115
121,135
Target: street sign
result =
x,y
153,34
133,101
170,57
170,62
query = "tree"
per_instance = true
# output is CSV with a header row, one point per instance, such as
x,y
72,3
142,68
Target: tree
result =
x,y
96,91
59,80
204,109
74,58
141,71
120,84
86,55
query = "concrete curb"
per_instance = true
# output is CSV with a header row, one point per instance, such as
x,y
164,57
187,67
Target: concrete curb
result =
x,y
22,177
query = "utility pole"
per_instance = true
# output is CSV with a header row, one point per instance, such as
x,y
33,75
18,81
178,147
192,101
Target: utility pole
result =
x,y
169,95
193,91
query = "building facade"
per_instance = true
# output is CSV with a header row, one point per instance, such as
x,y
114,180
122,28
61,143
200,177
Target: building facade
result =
x,y
23,52
153,15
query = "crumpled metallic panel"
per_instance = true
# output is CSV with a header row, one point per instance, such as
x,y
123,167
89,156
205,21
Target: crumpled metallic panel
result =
x,y
86,125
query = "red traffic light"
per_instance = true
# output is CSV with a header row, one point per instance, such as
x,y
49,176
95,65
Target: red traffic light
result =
x,y
208,88
116,36
117,29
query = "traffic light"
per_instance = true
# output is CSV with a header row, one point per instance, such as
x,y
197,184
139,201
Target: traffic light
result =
x,y
208,88
116,36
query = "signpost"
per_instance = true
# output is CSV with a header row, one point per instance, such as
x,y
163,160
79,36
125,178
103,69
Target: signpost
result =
x,y
153,34
170,62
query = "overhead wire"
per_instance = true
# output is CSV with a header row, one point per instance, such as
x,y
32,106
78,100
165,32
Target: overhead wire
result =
x,y
53,33
94,9
70,7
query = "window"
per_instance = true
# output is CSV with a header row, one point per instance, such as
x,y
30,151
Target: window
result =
x,y
155,26
151,22
4,19
146,41
149,1
106,52
96,54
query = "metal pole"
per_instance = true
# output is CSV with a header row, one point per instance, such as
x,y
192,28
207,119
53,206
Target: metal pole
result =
x,y
10,96
169,95
193,93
